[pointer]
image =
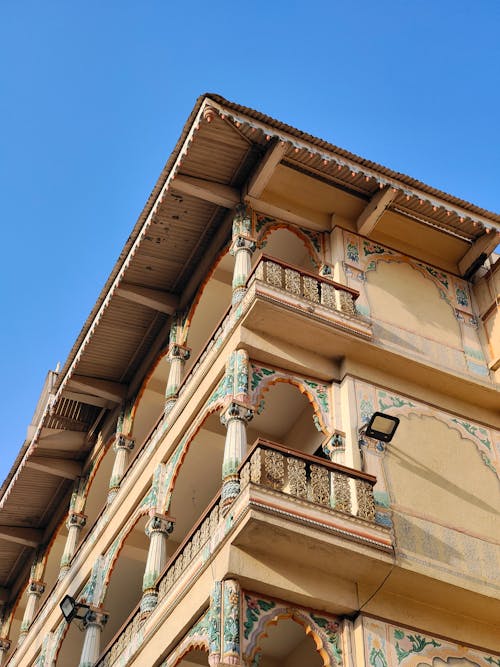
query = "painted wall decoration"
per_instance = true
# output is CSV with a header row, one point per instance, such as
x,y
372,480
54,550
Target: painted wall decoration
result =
x,y
428,541
388,645
486,440
362,256
258,613
262,378
197,638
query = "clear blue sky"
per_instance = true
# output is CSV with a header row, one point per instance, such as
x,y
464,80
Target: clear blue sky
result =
x,y
94,95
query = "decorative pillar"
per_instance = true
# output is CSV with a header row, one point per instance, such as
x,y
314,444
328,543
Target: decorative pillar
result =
x,y
235,418
224,624
122,448
158,529
334,447
35,590
177,355
4,648
242,247
75,522
93,624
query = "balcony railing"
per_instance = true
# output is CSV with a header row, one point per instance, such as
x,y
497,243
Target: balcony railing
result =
x,y
309,478
308,286
266,466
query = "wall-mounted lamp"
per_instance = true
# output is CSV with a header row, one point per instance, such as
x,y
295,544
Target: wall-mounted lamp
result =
x,y
72,609
380,427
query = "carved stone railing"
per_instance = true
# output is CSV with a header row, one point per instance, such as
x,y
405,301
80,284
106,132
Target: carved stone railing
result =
x,y
308,286
310,478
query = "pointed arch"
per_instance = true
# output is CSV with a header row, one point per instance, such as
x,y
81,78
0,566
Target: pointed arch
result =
x,y
317,393
312,241
261,613
199,293
196,639
150,376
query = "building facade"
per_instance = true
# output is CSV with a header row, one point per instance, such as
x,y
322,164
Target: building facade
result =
x,y
198,477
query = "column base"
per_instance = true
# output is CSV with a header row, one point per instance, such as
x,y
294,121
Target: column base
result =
x,y
169,405
230,491
112,493
148,602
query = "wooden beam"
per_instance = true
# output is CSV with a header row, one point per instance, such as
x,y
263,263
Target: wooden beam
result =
x,y
217,193
62,439
156,299
66,468
374,210
4,595
283,214
86,398
265,169
111,391
27,537
478,253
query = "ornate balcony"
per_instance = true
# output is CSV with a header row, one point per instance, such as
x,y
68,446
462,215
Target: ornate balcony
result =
x,y
308,478
339,500
313,288
316,298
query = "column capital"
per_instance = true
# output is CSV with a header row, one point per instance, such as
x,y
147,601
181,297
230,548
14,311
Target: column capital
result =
x,y
123,442
176,351
243,242
76,519
36,587
95,616
236,410
159,523
242,221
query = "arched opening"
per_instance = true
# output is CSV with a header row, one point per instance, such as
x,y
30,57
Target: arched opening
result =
x,y
198,480
53,562
286,643
193,658
213,300
286,417
286,245
150,404
71,646
125,584
15,624
97,492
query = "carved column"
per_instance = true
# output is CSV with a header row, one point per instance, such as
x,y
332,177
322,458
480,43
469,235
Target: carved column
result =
x,y
75,522
177,355
224,624
242,247
4,648
334,448
235,418
94,622
158,529
122,448
35,590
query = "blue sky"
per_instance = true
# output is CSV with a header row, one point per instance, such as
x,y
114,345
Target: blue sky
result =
x,y
94,95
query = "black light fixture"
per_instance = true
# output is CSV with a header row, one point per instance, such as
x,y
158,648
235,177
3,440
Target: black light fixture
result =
x,y
72,609
381,427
